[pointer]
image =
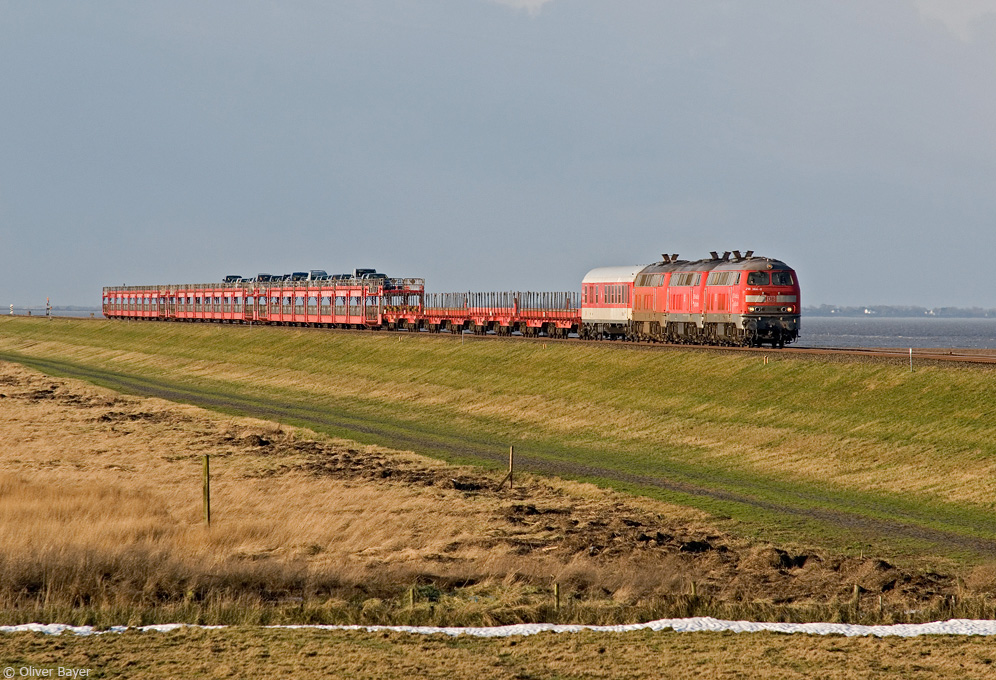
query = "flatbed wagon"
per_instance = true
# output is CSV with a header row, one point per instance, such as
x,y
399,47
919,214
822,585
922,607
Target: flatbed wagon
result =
x,y
392,304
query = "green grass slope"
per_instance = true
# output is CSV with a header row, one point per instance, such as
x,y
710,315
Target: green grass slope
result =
x,y
841,453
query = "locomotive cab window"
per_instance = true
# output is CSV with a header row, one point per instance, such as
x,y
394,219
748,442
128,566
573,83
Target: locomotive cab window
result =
x,y
781,278
758,279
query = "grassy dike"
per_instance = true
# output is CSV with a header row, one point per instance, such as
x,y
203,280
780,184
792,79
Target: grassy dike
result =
x,y
853,455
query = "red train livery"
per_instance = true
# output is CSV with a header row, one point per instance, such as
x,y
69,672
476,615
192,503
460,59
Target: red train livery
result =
x,y
738,300
729,299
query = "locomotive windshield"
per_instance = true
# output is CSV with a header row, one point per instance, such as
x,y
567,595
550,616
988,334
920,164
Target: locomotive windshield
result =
x,y
774,279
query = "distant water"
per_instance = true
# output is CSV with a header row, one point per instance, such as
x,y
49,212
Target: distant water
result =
x,y
74,312
40,311
887,332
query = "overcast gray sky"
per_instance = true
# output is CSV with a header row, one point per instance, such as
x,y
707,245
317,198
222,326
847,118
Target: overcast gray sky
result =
x,y
497,145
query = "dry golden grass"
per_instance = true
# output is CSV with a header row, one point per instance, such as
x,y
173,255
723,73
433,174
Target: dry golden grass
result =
x,y
275,653
101,519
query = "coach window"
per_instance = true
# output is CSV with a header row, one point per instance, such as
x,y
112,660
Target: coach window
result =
x,y
781,278
758,279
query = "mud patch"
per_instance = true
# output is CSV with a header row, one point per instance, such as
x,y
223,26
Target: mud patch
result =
x,y
132,417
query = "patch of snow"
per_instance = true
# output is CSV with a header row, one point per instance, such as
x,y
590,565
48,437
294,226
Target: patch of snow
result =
x,y
702,623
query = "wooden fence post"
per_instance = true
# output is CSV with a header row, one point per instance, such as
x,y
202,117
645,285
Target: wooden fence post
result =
x,y
207,490
511,467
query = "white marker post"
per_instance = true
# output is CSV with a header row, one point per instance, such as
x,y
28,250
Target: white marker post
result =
x,y
911,359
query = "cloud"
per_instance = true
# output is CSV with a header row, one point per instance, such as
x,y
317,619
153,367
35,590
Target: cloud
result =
x,y
533,7
957,16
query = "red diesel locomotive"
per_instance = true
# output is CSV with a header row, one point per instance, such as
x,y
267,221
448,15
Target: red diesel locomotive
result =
x,y
723,300
743,300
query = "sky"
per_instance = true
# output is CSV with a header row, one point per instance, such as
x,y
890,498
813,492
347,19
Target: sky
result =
x,y
498,144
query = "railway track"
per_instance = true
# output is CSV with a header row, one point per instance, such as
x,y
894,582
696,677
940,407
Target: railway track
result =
x,y
981,356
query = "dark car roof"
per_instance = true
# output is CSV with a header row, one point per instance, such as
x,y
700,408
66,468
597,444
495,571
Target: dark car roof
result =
x,y
745,264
